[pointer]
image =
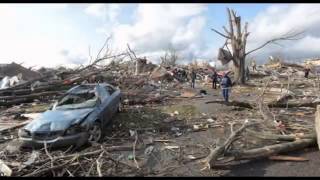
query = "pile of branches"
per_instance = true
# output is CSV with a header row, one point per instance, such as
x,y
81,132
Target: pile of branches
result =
x,y
97,160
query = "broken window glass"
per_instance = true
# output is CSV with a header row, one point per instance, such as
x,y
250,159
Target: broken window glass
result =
x,y
78,101
82,97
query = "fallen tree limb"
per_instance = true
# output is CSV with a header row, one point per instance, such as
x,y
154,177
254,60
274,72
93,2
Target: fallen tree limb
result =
x,y
16,102
268,117
220,149
29,99
292,105
37,173
233,103
31,96
274,149
280,137
53,87
27,90
112,148
23,85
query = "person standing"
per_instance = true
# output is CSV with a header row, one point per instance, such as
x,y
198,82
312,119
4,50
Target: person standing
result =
x,y
226,86
214,79
254,65
247,73
306,72
193,78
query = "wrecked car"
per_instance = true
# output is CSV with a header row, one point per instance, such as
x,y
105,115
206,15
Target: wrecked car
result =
x,y
78,117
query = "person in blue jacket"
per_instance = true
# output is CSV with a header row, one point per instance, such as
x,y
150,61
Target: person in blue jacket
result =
x,y
226,86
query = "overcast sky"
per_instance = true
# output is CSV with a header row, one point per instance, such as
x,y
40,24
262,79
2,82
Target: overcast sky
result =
x,y
60,34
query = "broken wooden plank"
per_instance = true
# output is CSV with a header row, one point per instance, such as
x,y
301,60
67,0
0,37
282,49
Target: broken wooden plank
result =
x,y
287,158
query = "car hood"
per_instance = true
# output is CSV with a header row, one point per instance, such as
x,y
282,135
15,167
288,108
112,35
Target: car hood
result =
x,y
57,120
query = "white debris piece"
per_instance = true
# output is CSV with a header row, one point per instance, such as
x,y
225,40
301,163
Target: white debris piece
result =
x,y
132,133
191,157
4,169
5,83
210,120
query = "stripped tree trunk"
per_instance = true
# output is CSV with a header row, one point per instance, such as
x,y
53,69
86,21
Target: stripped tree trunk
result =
x,y
237,38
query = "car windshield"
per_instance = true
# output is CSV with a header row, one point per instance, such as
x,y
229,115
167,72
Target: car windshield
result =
x,y
77,101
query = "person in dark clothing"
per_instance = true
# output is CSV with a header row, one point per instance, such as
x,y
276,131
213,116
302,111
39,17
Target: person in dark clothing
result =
x,y
306,72
193,78
247,73
184,75
214,80
226,86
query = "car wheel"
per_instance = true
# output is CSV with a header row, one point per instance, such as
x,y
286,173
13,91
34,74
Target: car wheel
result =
x,y
95,133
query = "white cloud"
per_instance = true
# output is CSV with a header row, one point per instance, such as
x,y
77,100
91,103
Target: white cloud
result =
x,y
37,40
280,19
97,10
160,26
42,34
107,12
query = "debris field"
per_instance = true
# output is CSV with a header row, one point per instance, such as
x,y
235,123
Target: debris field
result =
x,y
166,128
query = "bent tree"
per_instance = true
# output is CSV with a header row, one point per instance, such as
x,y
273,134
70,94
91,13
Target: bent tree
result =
x,y
236,36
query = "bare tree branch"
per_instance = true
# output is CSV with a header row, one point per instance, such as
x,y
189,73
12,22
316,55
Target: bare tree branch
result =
x,y
276,43
226,30
132,52
105,43
230,21
101,59
221,34
286,37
